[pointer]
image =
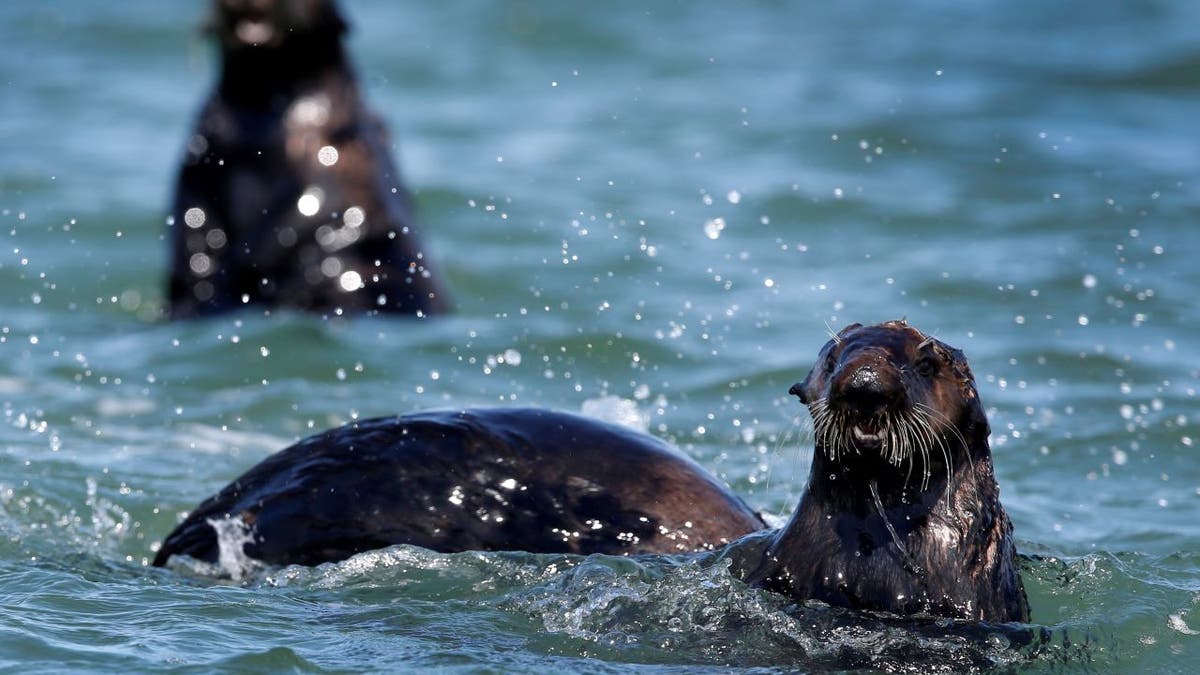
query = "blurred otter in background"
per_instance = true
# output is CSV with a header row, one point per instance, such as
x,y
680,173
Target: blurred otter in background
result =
x,y
288,195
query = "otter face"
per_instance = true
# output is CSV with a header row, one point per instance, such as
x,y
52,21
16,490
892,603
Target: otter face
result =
x,y
891,390
269,23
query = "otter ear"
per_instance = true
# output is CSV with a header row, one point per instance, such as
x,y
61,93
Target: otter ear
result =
x,y
803,389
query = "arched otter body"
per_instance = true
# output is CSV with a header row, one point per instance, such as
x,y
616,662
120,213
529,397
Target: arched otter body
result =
x,y
902,511
288,195
486,479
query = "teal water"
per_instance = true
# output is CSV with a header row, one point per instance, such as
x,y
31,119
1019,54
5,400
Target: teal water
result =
x,y
659,205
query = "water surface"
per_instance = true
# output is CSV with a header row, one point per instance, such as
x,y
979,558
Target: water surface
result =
x,y
663,206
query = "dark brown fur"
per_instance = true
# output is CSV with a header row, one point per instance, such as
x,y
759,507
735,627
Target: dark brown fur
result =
x,y
486,479
903,515
262,213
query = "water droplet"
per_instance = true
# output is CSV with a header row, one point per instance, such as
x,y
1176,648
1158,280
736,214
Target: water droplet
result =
x,y
350,281
194,217
714,227
327,155
310,202
354,216
200,264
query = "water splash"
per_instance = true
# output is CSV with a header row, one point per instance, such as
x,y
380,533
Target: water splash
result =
x,y
232,562
618,411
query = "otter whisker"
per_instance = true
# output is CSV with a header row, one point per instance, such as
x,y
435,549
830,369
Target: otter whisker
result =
x,y
912,430
833,335
929,440
891,447
842,442
930,415
904,433
915,447
825,429
933,438
948,424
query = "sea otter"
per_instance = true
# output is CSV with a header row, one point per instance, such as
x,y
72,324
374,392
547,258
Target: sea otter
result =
x,y
288,195
901,513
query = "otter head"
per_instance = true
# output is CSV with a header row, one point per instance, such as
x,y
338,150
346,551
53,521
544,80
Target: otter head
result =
x,y
266,24
893,392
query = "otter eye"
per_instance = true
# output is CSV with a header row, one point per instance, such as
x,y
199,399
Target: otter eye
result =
x,y
927,366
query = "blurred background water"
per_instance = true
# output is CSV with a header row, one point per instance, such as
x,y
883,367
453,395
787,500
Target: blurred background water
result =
x,y
662,206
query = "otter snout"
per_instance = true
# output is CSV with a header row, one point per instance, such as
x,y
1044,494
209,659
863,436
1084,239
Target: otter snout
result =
x,y
867,386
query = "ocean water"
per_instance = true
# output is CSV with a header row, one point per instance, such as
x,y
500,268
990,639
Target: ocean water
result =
x,y
649,210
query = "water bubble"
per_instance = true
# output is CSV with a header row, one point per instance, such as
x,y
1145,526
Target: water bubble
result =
x,y
1089,281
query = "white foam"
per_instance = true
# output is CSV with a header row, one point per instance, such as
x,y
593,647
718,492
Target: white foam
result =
x,y
109,406
232,535
618,411
217,441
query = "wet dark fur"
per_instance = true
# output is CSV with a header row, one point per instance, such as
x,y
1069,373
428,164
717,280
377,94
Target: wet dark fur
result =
x,y
910,525
931,536
488,479
254,153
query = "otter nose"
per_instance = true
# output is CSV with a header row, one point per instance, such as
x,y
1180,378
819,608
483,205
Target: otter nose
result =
x,y
867,389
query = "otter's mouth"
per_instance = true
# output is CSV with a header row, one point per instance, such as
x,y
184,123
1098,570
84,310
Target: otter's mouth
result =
x,y
867,435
